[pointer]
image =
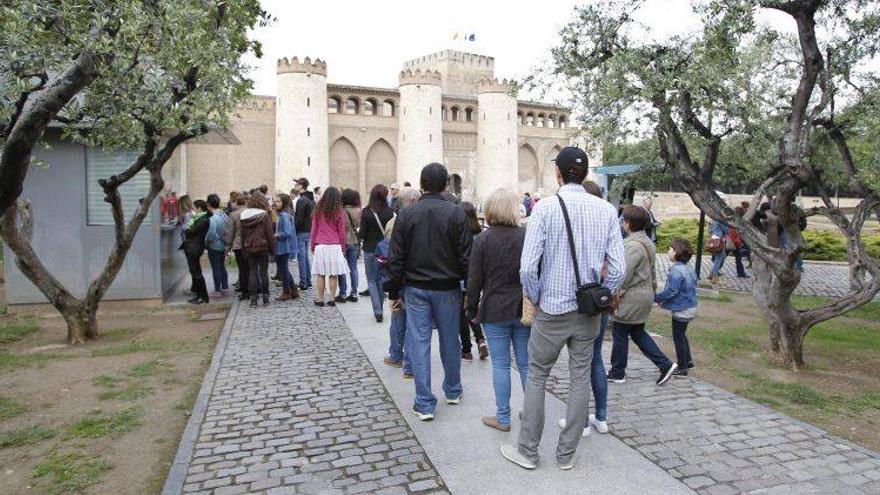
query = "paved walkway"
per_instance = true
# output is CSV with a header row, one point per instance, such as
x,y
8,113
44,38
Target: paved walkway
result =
x,y
818,279
298,401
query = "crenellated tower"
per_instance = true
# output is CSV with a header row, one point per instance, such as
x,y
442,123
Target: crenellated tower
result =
x,y
420,134
497,163
301,140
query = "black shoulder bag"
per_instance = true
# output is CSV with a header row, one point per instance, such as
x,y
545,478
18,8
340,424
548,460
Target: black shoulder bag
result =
x,y
592,298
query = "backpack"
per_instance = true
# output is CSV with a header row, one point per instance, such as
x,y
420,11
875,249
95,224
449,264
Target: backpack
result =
x,y
383,254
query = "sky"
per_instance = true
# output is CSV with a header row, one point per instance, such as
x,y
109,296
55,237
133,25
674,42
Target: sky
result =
x,y
366,43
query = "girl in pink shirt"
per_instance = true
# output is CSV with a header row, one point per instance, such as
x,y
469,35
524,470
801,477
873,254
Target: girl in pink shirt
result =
x,y
327,242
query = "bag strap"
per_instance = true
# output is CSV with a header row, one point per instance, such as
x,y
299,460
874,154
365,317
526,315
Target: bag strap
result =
x,y
577,272
651,262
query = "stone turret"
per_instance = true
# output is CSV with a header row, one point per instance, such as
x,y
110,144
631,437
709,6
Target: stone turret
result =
x,y
420,131
301,126
497,162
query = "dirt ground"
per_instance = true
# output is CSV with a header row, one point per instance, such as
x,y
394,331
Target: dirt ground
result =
x,y
109,413
840,389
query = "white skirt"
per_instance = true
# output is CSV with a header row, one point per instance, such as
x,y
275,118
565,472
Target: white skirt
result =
x,y
329,260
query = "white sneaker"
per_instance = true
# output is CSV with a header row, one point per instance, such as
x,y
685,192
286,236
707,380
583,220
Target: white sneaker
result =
x,y
511,453
585,434
423,416
601,426
568,465
455,401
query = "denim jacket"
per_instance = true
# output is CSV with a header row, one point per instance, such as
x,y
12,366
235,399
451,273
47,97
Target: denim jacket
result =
x,y
285,235
218,231
680,292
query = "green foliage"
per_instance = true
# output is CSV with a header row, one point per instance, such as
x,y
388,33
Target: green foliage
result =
x,y
70,473
25,436
9,408
105,381
676,228
824,246
148,368
776,394
15,330
12,361
101,426
725,343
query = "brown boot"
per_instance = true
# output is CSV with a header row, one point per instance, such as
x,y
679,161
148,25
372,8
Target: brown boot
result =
x,y
293,292
285,295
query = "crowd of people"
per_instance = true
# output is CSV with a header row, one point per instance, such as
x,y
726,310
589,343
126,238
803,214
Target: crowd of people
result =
x,y
511,279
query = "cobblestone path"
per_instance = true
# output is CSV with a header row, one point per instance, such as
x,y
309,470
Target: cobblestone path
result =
x,y
297,408
818,279
719,443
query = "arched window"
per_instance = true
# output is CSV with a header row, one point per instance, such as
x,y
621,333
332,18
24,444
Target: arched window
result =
x,y
370,107
551,121
520,118
352,106
468,114
388,108
333,104
455,111
541,119
530,119
443,113
563,122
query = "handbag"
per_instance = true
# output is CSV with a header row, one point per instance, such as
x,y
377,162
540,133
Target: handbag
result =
x,y
714,245
592,298
528,311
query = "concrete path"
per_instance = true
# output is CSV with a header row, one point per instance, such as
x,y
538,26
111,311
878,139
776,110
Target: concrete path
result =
x,y
465,452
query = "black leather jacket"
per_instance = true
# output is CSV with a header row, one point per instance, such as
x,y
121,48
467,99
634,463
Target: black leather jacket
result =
x,y
302,215
430,246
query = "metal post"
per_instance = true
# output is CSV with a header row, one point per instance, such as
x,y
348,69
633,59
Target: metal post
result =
x,y
700,234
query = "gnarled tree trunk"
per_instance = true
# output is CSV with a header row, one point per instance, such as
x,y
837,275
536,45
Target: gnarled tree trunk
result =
x,y
786,326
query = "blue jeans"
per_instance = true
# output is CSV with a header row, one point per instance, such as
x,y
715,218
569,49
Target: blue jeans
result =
x,y
718,261
218,269
597,373
499,336
351,255
373,282
302,258
397,337
424,308
621,333
281,262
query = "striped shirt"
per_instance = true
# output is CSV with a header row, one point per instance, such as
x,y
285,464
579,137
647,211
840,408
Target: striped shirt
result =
x,y
546,249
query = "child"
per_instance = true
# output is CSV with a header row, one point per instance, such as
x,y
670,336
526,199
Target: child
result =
x,y
680,297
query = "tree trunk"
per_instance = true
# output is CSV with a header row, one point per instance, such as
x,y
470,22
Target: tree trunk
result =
x,y
786,327
82,323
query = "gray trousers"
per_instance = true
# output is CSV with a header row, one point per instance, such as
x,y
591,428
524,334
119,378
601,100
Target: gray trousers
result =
x,y
549,334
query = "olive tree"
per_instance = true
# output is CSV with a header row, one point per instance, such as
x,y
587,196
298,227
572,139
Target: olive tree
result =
x,y
136,74
768,92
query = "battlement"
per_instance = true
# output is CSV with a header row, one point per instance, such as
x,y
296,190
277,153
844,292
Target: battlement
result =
x,y
463,58
498,86
306,66
420,77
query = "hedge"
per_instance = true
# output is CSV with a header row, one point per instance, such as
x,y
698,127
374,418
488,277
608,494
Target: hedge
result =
x,y
822,245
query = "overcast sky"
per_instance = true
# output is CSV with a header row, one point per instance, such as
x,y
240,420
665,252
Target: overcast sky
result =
x,y
366,43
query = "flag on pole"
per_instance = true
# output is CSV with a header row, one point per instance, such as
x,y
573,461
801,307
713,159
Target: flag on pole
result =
x,y
472,37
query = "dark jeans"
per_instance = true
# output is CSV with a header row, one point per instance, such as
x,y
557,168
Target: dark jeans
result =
x,y
243,273
465,329
258,267
351,256
598,379
377,296
740,269
302,258
281,262
218,269
621,333
682,347
199,288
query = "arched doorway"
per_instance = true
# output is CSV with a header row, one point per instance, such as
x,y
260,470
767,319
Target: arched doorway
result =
x,y
344,164
548,178
381,164
528,169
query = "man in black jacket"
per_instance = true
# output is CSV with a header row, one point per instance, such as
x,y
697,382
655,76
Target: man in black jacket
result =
x,y
430,247
303,207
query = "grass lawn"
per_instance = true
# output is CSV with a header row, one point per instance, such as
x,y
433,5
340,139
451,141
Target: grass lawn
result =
x,y
102,417
840,389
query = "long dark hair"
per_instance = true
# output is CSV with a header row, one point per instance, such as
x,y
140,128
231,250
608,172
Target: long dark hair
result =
x,y
350,197
285,205
378,199
471,212
330,204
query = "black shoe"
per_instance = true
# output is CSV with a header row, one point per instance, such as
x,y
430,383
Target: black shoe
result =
x,y
303,287
265,299
379,318
364,293
195,300
352,298
254,302
242,296
666,374
319,304
332,304
276,277
340,299
613,379
680,372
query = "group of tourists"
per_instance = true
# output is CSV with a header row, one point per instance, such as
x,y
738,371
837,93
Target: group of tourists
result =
x,y
514,280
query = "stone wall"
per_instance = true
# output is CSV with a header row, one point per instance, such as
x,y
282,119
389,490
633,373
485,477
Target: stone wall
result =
x,y
679,205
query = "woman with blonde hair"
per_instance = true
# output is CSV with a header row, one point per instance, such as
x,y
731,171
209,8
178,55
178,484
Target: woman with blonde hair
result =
x,y
494,296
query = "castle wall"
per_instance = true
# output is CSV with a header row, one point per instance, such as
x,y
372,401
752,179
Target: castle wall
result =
x,y
460,72
497,140
211,167
420,135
